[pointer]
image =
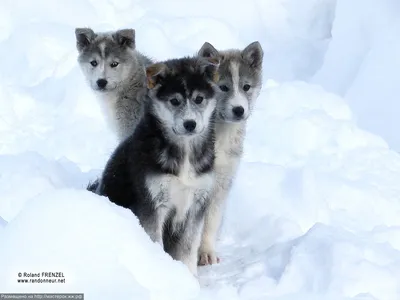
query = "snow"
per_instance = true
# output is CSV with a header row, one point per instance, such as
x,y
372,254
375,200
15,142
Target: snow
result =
x,y
362,64
66,230
313,213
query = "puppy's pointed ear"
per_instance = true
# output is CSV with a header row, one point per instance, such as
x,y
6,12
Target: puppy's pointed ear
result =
x,y
154,73
208,50
210,66
84,36
125,37
253,55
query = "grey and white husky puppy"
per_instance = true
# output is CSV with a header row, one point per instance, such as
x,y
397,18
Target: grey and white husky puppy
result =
x,y
115,70
164,171
240,80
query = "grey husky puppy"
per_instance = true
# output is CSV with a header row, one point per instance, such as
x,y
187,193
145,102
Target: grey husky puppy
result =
x,y
240,80
115,70
164,171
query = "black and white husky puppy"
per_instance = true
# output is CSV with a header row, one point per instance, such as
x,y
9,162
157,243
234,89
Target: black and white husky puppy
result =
x,y
164,171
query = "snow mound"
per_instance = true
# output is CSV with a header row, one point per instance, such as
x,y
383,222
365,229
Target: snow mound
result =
x,y
362,64
94,243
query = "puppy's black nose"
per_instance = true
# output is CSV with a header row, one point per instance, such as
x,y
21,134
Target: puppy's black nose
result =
x,y
189,125
101,83
238,111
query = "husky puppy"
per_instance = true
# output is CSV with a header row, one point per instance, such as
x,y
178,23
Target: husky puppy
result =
x,y
240,80
164,171
115,70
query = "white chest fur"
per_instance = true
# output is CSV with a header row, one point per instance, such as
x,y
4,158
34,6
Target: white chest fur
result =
x,y
108,103
229,144
183,192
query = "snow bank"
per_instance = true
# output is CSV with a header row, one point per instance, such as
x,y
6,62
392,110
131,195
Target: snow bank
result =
x,y
29,174
314,211
362,64
310,198
100,248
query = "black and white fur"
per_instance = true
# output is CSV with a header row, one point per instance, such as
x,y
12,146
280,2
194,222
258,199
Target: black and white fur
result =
x,y
240,80
164,171
115,71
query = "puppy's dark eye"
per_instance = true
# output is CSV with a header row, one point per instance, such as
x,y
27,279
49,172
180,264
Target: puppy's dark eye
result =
x,y
246,87
114,64
175,102
93,63
198,100
224,88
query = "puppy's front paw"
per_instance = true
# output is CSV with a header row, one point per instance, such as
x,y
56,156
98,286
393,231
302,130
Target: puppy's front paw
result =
x,y
208,258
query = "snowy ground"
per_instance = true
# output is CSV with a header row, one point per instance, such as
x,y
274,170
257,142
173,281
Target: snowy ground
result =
x,y
314,213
